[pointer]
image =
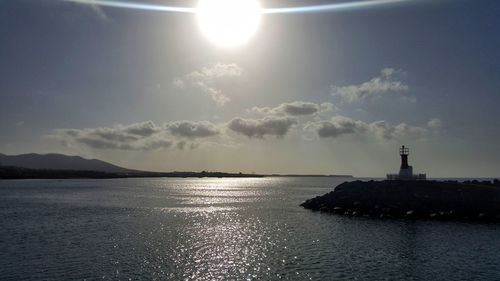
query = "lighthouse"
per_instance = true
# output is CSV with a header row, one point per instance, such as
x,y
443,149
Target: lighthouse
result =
x,y
405,170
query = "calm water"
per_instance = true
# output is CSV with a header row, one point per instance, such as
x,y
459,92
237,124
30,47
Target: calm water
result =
x,y
222,229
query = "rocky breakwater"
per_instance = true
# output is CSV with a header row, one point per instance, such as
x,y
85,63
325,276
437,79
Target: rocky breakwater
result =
x,y
445,200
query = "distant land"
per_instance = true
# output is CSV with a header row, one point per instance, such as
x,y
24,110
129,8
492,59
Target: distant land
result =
x,y
60,166
309,176
55,161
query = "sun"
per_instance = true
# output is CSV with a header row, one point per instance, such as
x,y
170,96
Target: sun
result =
x,y
229,23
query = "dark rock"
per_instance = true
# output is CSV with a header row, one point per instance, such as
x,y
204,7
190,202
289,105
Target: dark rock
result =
x,y
443,200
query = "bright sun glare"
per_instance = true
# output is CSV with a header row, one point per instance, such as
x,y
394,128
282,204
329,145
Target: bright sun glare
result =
x,y
229,23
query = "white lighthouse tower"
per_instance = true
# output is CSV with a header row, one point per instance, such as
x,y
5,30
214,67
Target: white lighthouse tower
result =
x,y
405,171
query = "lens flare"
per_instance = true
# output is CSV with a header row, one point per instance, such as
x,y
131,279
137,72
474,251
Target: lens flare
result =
x,y
230,23
352,5
337,7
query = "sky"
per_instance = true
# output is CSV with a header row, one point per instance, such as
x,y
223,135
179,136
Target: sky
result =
x,y
328,92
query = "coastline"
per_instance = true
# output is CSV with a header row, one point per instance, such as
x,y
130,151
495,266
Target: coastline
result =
x,y
11,172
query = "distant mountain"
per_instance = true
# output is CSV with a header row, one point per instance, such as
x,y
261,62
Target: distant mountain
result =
x,y
55,161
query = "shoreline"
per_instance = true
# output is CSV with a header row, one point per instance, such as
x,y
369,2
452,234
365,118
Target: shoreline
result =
x,y
12,173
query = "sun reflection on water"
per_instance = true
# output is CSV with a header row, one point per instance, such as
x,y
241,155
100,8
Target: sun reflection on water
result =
x,y
220,229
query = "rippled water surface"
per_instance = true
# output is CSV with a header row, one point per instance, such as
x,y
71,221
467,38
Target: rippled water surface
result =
x,y
222,229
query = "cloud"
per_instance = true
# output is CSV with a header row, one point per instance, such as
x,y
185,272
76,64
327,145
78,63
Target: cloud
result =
x,y
218,70
183,144
119,133
156,144
272,125
144,129
296,108
435,123
111,134
190,129
179,83
218,97
103,144
277,123
336,127
341,125
210,79
139,136
387,82
299,108
143,145
326,107
384,130
136,136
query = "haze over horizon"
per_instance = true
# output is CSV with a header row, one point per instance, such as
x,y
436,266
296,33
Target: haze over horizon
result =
x,y
310,93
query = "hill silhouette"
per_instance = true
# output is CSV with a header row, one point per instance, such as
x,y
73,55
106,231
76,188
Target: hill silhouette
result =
x,y
54,161
54,166
60,166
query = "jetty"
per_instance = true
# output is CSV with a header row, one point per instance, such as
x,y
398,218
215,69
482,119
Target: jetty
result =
x,y
412,196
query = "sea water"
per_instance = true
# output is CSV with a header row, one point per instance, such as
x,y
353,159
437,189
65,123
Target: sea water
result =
x,y
222,229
